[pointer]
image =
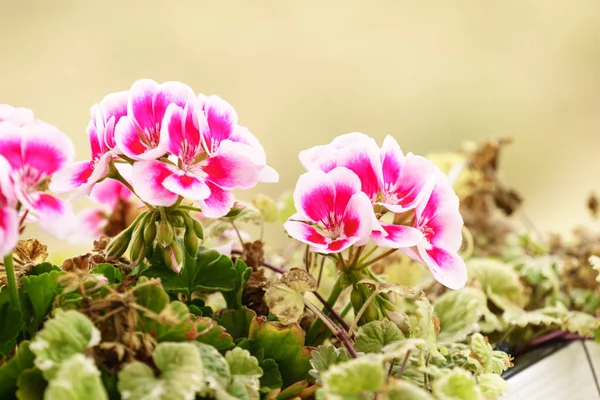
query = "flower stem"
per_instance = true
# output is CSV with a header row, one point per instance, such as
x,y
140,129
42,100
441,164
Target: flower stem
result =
x,y
378,258
11,282
361,312
336,290
340,333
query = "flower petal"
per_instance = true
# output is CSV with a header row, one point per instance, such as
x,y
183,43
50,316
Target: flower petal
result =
x,y
218,203
413,186
55,216
441,214
90,223
358,218
140,107
171,93
72,177
109,192
398,236
314,195
306,234
221,119
9,230
363,159
346,183
11,137
230,170
45,148
448,268
187,185
148,177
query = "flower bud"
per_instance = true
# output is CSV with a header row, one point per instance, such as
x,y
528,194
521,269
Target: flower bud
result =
x,y
166,234
117,247
173,257
190,241
198,229
150,232
138,249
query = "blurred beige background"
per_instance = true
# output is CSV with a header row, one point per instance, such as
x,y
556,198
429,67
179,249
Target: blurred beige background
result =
x,y
301,72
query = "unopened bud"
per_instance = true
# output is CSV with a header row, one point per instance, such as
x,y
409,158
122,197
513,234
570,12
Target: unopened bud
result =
x,y
176,220
190,241
198,229
166,234
138,250
117,247
150,232
173,257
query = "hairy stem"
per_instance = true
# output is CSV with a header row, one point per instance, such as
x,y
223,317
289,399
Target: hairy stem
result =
x,y
378,258
361,312
11,282
336,290
340,333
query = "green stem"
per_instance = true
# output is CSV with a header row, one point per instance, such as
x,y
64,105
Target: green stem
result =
x,y
190,208
378,258
313,332
11,281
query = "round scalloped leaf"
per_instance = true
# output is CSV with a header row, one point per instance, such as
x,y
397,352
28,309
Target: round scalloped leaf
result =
x,y
375,335
351,379
456,384
181,374
77,378
459,312
67,334
402,390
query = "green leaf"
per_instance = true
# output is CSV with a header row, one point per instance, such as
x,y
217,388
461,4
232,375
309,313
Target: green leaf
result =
x,y
234,297
43,268
31,385
9,372
456,384
285,303
373,336
486,358
425,327
151,296
215,368
542,316
174,323
11,323
492,385
245,373
37,295
241,362
350,379
499,281
181,374
324,357
67,334
109,271
237,322
271,376
210,332
581,323
459,312
77,378
209,270
403,390
285,345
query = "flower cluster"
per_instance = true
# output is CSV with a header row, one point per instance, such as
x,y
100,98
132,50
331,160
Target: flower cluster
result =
x,y
31,152
355,192
179,145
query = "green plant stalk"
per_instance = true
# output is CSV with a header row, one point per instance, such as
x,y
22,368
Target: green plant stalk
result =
x,y
313,332
11,281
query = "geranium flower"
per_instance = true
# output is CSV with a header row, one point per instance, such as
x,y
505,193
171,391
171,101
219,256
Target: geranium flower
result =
x,y
333,213
35,151
16,115
92,222
440,222
140,134
101,133
214,156
9,220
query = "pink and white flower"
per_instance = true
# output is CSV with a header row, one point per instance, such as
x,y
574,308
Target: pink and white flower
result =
x,y
140,134
214,156
9,220
35,151
16,115
84,174
440,222
92,221
333,213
